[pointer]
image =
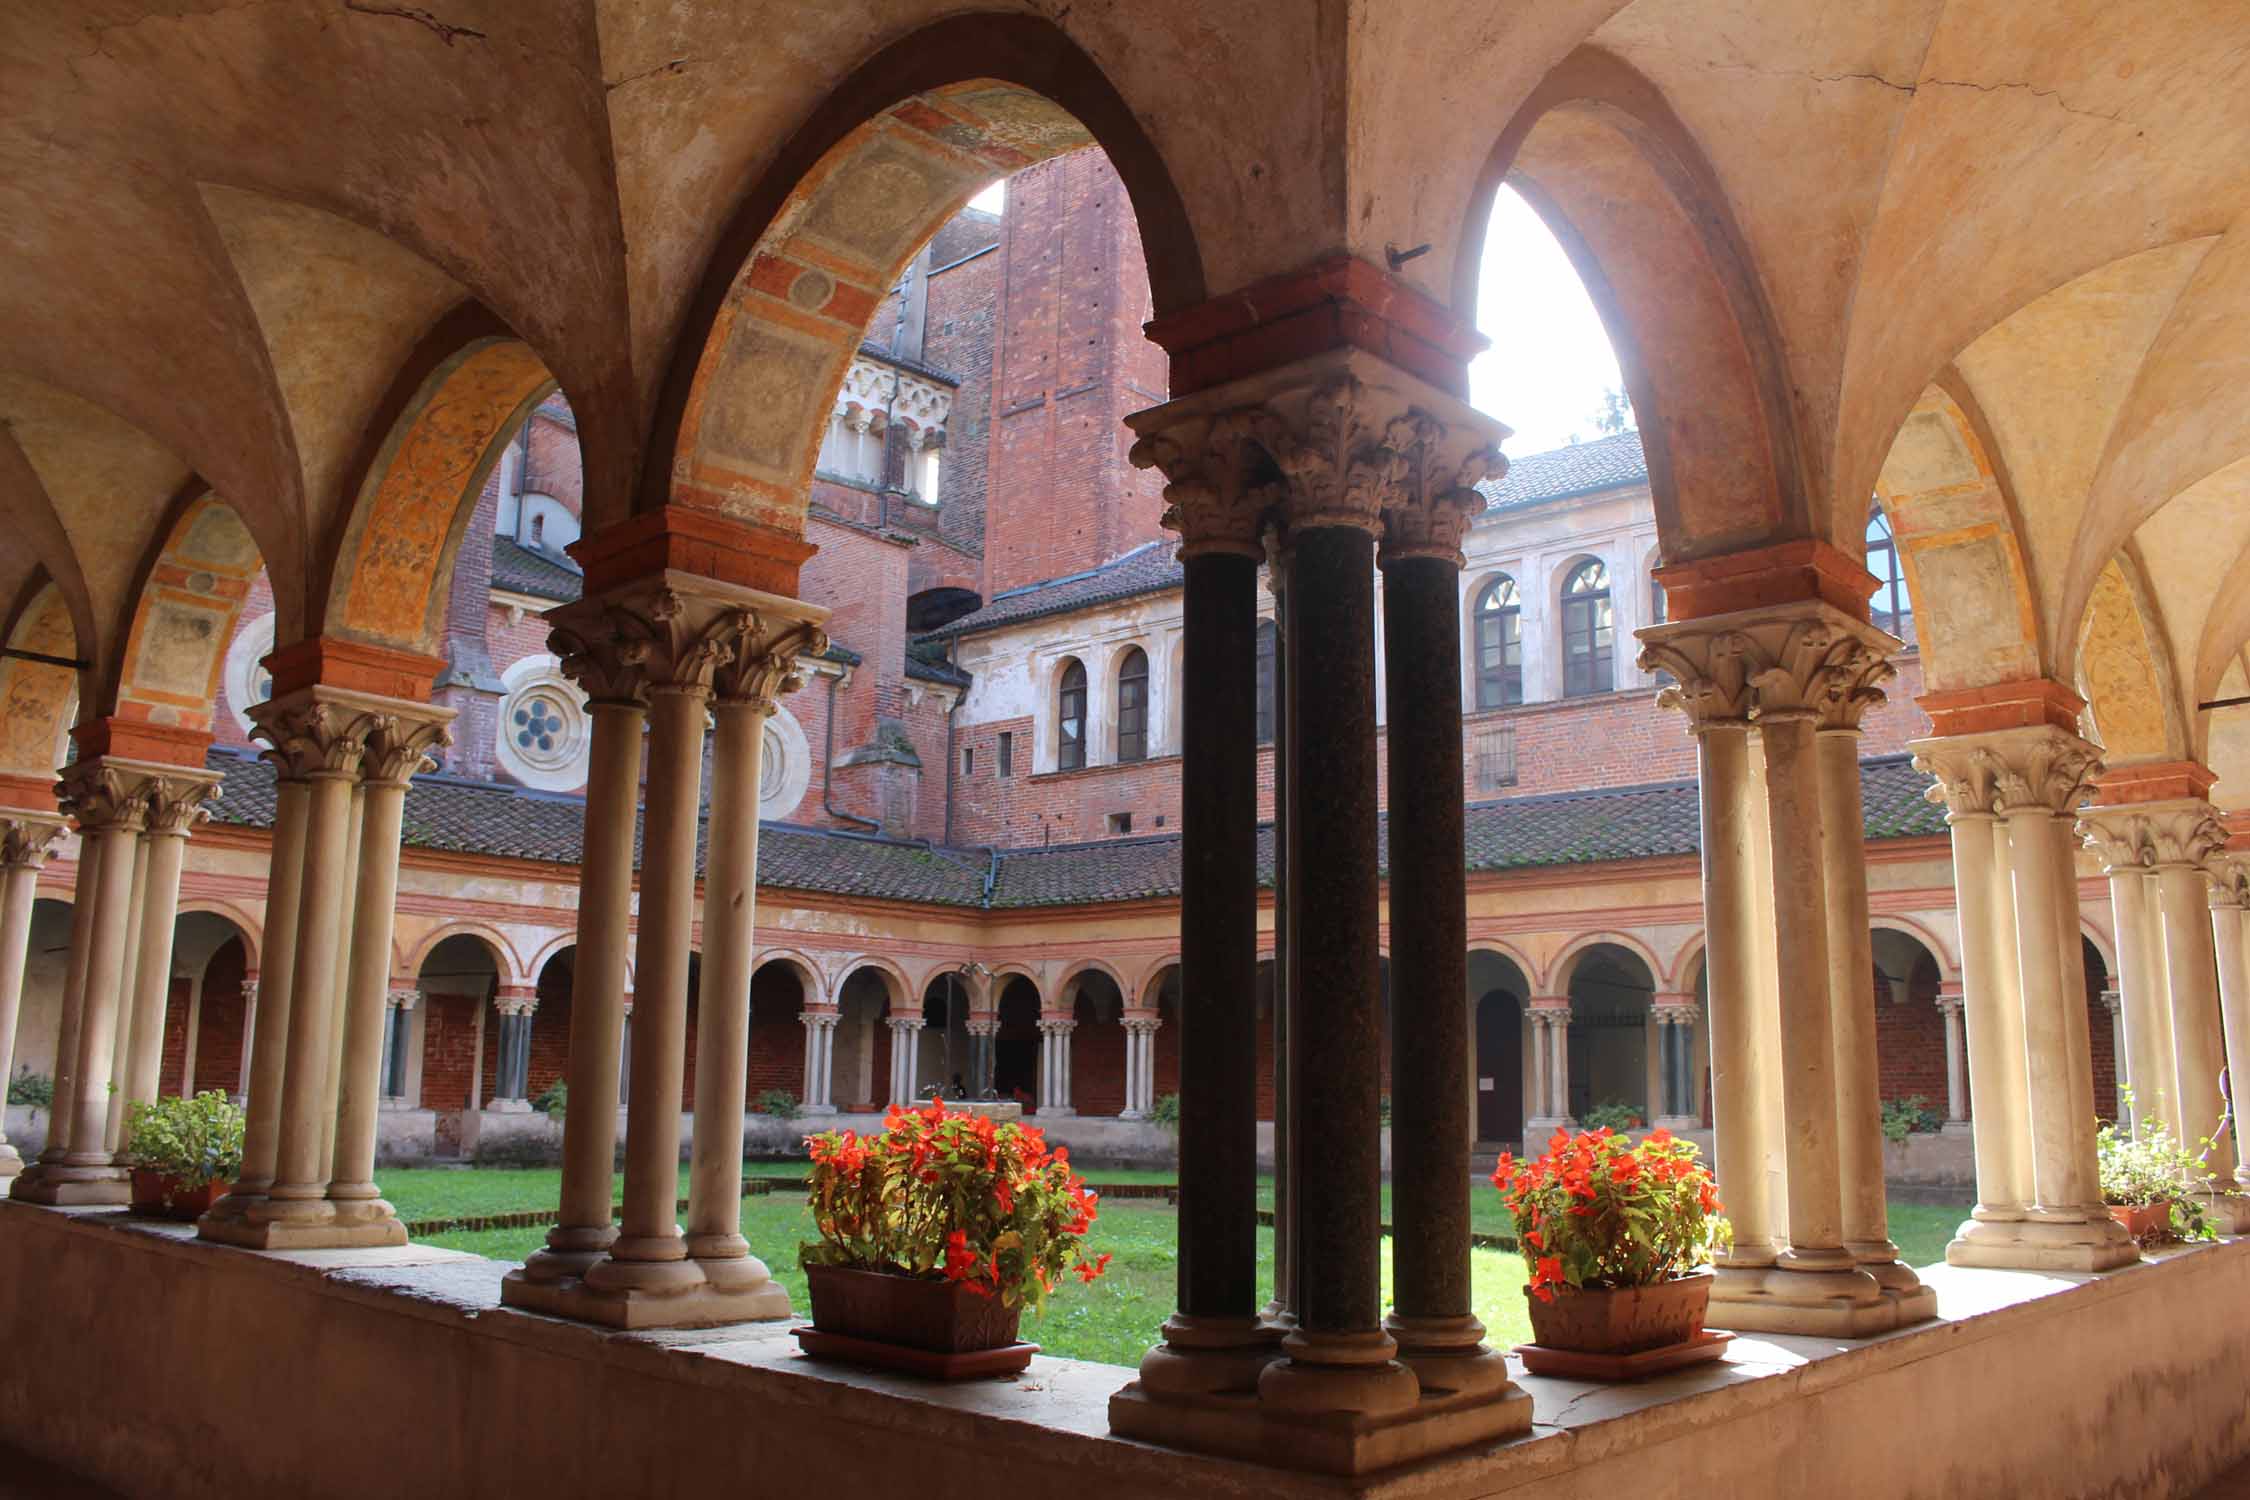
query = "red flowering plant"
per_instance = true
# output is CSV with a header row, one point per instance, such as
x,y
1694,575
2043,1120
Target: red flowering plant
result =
x,y
1598,1211
942,1194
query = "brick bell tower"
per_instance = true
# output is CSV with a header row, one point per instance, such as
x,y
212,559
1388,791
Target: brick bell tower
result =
x,y
1069,361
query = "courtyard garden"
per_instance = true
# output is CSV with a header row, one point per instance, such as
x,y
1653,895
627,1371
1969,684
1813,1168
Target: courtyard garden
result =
x,y
1110,1321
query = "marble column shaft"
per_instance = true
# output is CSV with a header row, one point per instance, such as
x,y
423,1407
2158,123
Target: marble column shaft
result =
x,y
269,1036
25,840
110,815
2198,1043
85,895
129,977
175,806
2229,932
2140,979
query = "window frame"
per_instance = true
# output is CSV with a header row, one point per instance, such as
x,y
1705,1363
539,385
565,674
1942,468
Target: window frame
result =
x,y
1897,620
1589,632
1070,683
1132,707
1498,685
1267,712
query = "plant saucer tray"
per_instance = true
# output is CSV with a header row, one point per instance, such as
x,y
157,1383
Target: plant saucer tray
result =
x,y
1571,1364
973,1364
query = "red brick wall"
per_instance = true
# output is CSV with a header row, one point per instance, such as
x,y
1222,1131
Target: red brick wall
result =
x,y
449,1052
964,298
554,468
173,1062
777,1037
1070,362
219,1029
1910,1041
550,1043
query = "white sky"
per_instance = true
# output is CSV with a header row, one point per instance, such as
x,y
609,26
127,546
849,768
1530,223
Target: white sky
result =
x,y
1550,359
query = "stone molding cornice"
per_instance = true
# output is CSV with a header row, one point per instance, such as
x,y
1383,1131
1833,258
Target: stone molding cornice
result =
x,y
2007,770
26,839
2153,835
1434,497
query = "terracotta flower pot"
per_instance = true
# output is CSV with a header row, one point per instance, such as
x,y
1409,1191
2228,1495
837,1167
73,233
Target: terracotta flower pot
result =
x,y
942,1317
2145,1221
1621,1320
165,1197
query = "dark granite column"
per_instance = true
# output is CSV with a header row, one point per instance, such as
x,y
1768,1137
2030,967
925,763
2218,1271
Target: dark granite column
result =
x,y
1282,1308
1339,1356
1437,1335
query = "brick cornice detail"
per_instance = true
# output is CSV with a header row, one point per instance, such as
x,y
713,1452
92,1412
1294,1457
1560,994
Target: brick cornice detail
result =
x,y
355,667
2159,781
1785,573
703,543
2029,704
139,740
1337,302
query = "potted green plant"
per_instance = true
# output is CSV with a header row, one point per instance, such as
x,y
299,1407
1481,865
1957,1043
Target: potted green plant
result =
x,y
1618,1238
934,1236
185,1153
2148,1181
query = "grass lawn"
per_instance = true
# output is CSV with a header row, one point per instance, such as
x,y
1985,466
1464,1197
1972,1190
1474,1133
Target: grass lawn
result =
x,y
1110,1322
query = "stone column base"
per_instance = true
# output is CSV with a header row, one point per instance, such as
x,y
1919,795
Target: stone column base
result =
x,y
699,1302
72,1187
1238,1425
1844,1304
2042,1245
311,1224
11,1161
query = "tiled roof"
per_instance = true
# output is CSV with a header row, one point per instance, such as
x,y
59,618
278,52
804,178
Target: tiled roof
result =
x,y
1561,828
936,670
1605,464
1147,569
528,572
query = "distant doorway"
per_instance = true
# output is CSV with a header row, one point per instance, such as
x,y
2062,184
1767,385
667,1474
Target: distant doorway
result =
x,y
1015,1050
1499,1076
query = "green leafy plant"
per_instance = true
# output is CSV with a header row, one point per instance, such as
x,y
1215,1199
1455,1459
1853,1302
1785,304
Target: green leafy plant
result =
x,y
37,1090
1909,1116
946,1195
190,1141
2151,1166
1598,1211
1614,1115
1164,1110
554,1101
779,1103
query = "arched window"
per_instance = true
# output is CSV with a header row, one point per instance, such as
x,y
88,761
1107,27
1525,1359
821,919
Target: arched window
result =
x,y
1586,631
1890,609
1267,638
1132,706
1499,625
1070,714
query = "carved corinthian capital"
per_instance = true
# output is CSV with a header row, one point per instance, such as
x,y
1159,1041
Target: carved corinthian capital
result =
x,y
1435,495
675,632
1967,774
1210,496
26,841
1795,660
2152,835
178,801
769,662
1332,446
105,796
399,746
315,732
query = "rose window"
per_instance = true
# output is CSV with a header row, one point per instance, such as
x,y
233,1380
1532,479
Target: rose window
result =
x,y
539,726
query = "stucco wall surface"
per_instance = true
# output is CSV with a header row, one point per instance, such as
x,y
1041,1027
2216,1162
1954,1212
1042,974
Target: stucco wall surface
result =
x,y
250,1374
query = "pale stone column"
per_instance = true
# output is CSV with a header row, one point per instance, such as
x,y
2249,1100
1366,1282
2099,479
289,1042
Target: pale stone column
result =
x,y
108,801
175,806
2230,893
2114,1003
820,1055
249,1039
26,838
906,1050
749,689
339,980
681,640
2184,835
398,746
1140,1066
2040,779
1054,1073
325,733
608,665
1949,1003
1710,686
2146,1061
1677,1104
984,1027
1856,669
1558,1063
516,1005
113,1128
1967,768
84,895
397,1063
1535,1106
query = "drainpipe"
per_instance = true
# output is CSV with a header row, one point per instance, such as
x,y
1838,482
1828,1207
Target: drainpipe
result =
x,y
828,768
951,710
